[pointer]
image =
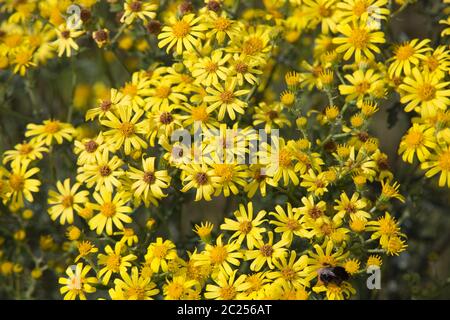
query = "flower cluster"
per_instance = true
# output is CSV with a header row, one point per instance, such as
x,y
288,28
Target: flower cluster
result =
x,y
318,195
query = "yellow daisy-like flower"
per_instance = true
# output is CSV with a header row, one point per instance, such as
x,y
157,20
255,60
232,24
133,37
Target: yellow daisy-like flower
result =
x,y
227,286
351,206
408,55
336,292
266,253
50,130
202,178
116,100
65,42
133,287
179,288
424,93
419,139
220,256
220,26
362,84
370,11
315,212
20,184
271,116
148,183
77,284
439,162
134,9
184,33
25,151
226,99
246,226
88,149
65,201
209,70
374,260
23,59
359,40
113,262
289,224
384,228
124,130
160,253
103,172
290,271
324,258
111,210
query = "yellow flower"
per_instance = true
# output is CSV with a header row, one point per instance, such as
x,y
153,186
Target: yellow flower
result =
x,y
439,162
204,231
23,59
420,138
324,258
65,42
124,130
77,284
209,70
49,130
359,40
185,32
135,9
389,191
384,228
84,249
20,183
259,180
148,184
336,292
162,94
316,184
87,149
226,99
65,201
243,67
104,172
26,150
424,93
128,236
394,245
202,178
323,12
111,210
290,272
289,224
73,233
407,55
352,266
179,288
362,84
134,287
315,212
351,206
113,262
370,11
374,260
220,256
245,226
159,253
266,253
227,286
116,100
220,26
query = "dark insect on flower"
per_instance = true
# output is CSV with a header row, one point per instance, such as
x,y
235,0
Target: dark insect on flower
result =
x,y
334,275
